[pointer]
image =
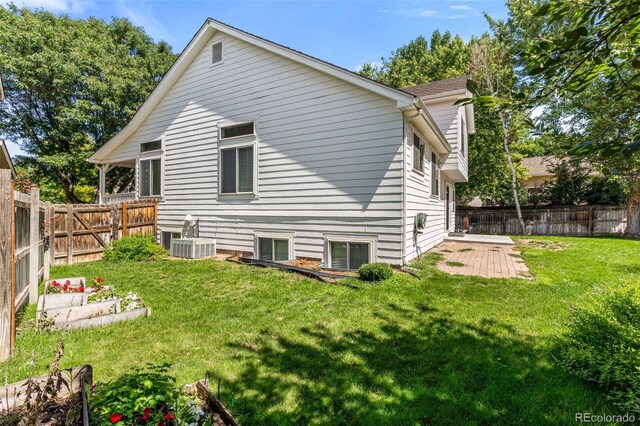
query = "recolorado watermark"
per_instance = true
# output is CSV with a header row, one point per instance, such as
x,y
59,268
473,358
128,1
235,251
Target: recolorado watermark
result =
x,y
605,418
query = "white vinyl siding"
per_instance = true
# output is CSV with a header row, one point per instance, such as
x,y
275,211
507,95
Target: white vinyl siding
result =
x,y
450,120
328,155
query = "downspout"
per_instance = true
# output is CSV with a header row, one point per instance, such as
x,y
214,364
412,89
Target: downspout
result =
x,y
404,182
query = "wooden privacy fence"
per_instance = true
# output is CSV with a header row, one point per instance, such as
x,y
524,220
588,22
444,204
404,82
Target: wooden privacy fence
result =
x,y
83,231
35,235
24,254
563,220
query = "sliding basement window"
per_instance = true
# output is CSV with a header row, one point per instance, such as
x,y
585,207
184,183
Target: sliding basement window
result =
x,y
349,255
273,250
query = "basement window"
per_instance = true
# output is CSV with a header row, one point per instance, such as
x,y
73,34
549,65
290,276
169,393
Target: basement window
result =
x,y
273,249
167,236
348,255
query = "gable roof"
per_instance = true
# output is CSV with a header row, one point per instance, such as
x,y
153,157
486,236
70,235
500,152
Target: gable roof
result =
x,y
440,87
204,34
5,159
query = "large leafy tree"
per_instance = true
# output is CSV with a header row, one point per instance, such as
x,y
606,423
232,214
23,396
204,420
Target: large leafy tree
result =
x,y
583,62
70,85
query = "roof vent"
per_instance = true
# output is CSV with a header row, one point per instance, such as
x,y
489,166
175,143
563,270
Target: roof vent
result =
x,y
216,53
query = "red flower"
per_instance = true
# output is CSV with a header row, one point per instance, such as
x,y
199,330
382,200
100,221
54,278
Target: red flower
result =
x,y
169,416
146,414
161,423
115,417
81,289
99,280
67,283
55,283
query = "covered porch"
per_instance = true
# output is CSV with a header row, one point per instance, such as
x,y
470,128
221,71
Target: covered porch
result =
x,y
117,192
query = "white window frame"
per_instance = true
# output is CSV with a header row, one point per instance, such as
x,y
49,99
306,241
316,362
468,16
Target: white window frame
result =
x,y
236,142
169,230
289,236
372,240
436,176
150,155
222,43
463,136
424,151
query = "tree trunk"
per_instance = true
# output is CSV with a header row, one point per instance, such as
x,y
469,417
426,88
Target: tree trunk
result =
x,y
514,175
633,213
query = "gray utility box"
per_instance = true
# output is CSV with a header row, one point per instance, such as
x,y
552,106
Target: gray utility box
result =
x,y
193,248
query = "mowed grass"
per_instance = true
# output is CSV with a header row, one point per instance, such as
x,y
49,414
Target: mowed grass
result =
x,y
440,350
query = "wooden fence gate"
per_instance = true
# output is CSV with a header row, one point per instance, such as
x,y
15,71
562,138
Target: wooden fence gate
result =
x,y
83,231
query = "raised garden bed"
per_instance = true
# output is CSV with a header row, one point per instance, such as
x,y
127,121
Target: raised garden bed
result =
x,y
68,303
51,399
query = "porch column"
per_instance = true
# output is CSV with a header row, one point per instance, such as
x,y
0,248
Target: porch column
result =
x,y
103,169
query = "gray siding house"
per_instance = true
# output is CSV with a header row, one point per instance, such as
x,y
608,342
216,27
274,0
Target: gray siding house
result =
x,y
285,156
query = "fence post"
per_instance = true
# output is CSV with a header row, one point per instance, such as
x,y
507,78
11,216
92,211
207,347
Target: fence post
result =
x,y
69,234
6,242
124,219
590,221
52,233
114,223
155,219
49,238
34,238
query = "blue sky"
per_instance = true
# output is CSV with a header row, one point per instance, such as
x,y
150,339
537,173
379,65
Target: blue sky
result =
x,y
346,33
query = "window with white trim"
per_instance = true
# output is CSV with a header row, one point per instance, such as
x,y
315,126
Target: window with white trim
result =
x,y
167,236
151,146
216,53
237,130
463,137
435,176
349,255
237,170
150,177
273,249
418,154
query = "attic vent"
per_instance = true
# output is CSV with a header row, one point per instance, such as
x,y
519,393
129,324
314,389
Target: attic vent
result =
x,y
216,53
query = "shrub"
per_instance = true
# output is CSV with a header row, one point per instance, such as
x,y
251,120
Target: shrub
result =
x,y
604,343
375,272
134,247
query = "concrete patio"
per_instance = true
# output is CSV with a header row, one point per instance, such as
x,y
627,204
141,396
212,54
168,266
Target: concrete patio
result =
x,y
482,259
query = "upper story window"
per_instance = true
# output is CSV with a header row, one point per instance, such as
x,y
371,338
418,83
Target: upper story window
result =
x,y
216,53
151,146
418,154
435,176
151,177
237,130
463,136
237,170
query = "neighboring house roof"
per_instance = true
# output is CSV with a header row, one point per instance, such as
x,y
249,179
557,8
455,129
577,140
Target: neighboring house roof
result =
x,y
540,166
440,87
404,99
5,159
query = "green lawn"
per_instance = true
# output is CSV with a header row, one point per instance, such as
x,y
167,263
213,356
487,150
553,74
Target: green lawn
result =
x,y
441,350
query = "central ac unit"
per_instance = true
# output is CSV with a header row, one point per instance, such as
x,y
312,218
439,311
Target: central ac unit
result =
x,y
193,248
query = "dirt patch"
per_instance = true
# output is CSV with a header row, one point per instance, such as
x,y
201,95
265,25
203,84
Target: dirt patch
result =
x,y
61,411
305,263
543,244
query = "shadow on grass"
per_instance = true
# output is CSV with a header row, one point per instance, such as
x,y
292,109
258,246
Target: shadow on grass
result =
x,y
417,366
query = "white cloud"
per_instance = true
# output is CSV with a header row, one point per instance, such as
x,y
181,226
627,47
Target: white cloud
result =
x,y
141,14
66,6
417,13
461,7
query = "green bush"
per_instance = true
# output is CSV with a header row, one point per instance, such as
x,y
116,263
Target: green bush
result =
x,y
134,247
375,272
604,343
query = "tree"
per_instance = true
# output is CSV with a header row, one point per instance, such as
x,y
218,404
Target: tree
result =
x,y
70,86
585,50
494,81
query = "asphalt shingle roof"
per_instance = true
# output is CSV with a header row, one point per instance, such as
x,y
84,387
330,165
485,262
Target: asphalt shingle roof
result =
x,y
440,86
